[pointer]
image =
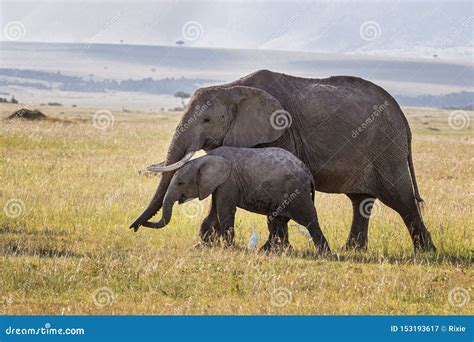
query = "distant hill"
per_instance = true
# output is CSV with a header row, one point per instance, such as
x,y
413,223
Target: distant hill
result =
x,y
50,81
53,72
169,86
461,100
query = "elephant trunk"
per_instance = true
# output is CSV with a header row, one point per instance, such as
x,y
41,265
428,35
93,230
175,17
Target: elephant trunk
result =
x,y
167,213
176,153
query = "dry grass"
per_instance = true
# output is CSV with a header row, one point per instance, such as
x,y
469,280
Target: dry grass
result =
x,y
79,189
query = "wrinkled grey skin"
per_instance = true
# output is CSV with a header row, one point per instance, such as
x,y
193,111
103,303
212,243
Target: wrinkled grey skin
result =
x,y
329,133
269,181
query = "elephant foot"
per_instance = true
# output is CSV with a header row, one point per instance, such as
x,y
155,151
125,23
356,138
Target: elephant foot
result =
x,y
276,247
227,245
214,243
202,245
355,246
324,253
425,245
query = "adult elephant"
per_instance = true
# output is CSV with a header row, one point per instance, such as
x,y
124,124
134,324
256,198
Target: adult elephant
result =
x,y
351,134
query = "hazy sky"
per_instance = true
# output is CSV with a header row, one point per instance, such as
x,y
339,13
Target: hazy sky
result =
x,y
400,28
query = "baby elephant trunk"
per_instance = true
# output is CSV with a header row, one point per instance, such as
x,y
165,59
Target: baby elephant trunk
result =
x,y
167,212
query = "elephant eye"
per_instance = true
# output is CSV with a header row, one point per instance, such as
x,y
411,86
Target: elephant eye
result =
x,y
180,183
206,120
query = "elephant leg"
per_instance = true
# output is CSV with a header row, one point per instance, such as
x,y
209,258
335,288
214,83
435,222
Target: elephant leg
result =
x,y
410,213
361,209
278,234
226,218
209,231
400,197
304,213
419,234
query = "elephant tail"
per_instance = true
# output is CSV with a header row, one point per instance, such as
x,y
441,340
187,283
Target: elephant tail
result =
x,y
313,193
418,200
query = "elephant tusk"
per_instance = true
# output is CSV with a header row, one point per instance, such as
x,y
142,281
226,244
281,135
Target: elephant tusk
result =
x,y
160,167
160,164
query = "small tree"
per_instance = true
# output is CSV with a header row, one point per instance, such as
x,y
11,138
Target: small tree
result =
x,y
13,100
182,95
180,43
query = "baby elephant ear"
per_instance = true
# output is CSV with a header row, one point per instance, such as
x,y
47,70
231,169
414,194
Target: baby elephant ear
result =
x,y
258,117
214,171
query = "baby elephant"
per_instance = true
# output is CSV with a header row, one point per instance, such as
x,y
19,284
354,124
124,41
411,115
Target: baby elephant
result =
x,y
268,181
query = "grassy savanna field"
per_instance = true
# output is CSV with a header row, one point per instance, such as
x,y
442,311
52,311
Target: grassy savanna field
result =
x,y
69,191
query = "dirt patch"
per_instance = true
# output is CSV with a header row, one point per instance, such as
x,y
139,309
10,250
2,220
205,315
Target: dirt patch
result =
x,y
28,114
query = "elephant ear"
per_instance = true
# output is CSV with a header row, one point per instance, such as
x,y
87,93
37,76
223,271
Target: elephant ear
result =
x,y
258,117
213,171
